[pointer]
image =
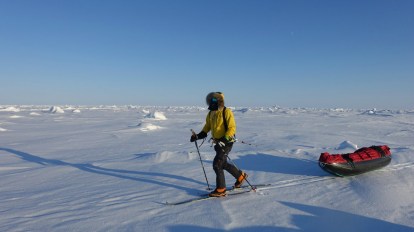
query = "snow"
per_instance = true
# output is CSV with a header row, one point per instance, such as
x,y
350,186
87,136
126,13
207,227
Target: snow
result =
x,y
347,144
55,110
112,168
156,115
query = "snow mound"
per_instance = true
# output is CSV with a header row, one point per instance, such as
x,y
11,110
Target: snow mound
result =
x,y
163,156
375,112
55,110
145,126
156,115
370,112
243,110
10,109
16,116
346,145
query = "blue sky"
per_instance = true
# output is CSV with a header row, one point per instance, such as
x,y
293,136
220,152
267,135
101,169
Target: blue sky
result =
x,y
290,53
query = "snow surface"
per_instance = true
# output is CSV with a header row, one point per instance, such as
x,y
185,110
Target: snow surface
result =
x,y
112,168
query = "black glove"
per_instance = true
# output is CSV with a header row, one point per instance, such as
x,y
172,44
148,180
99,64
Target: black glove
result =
x,y
200,135
193,138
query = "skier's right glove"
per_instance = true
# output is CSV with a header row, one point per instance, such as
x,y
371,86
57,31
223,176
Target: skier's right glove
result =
x,y
200,135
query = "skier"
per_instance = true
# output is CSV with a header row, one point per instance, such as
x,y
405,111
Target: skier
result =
x,y
220,121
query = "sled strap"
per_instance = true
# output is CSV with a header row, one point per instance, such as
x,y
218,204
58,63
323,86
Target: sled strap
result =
x,y
348,160
379,150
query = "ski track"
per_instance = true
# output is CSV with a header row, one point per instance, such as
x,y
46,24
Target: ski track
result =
x,y
308,180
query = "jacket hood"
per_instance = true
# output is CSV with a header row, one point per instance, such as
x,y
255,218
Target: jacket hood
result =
x,y
219,96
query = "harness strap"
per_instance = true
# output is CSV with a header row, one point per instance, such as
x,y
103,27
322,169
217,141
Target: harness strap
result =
x,y
224,119
349,160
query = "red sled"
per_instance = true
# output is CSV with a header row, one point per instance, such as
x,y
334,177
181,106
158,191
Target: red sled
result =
x,y
362,160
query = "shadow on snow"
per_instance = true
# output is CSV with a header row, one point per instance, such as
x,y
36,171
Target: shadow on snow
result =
x,y
118,173
324,219
256,162
279,164
315,219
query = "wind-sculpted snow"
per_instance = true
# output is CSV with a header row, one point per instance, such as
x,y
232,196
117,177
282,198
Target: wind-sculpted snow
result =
x,y
55,110
112,168
156,115
347,144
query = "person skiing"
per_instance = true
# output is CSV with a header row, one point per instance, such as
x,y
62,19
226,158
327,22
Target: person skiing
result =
x,y
220,121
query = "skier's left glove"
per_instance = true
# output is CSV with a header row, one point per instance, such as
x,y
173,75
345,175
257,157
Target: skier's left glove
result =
x,y
226,139
223,141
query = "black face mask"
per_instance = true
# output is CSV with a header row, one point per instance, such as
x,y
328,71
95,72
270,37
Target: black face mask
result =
x,y
213,104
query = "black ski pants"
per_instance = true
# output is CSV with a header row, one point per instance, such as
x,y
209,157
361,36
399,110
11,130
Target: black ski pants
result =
x,y
220,164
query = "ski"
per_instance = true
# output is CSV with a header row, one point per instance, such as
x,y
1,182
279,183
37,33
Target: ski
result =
x,y
231,192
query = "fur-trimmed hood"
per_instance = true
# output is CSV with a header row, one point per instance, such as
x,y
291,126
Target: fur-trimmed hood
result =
x,y
217,95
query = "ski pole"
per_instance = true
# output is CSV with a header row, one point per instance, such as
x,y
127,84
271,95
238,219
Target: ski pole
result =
x,y
228,157
250,144
251,186
201,161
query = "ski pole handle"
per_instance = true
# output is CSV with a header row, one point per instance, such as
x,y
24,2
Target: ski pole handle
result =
x,y
193,136
192,131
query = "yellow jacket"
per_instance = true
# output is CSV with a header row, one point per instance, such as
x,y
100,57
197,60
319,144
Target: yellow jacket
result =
x,y
214,123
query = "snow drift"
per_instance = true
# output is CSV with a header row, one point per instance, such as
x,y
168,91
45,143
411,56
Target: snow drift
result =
x,y
55,110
